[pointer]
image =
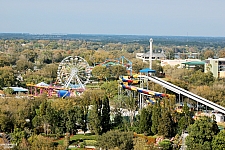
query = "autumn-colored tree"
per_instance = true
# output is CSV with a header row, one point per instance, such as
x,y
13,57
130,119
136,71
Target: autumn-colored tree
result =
x,y
4,61
117,71
209,54
137,65
40,142
222,53
101,72
23,65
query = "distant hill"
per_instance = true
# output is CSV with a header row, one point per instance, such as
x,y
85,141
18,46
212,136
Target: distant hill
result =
x,y
142,39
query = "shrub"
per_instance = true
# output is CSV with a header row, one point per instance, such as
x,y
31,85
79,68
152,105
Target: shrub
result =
x,y
166,144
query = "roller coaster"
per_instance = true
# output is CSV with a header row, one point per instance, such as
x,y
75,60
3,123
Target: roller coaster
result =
x,y
181,91
134,86
178,90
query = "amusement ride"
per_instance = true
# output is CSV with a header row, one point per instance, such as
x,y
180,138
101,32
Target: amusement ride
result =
x,y
72,75
73,72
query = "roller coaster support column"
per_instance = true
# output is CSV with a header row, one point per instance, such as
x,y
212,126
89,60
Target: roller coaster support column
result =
x,y
140,95
150,54
129,62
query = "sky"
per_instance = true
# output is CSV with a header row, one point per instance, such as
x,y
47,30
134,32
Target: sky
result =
x,y
116,17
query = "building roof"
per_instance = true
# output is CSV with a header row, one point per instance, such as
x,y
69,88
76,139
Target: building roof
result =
x,y
17,89
42,84
154,54
194,63
147,70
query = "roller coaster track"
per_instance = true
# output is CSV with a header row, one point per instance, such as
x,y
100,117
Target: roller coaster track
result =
x,y
184,92
7,141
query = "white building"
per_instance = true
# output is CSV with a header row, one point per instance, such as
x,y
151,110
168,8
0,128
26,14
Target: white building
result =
x,y
216,66
177,62
155,56
219,117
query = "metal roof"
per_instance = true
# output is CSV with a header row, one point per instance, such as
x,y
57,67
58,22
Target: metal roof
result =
x,y
194,63
154,55
147,70
17,89
42,84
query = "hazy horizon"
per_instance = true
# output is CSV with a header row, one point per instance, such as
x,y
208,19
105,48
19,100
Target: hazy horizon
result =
x,y
203,18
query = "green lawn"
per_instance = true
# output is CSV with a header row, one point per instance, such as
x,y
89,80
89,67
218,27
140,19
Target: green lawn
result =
x,y
84,137
79,137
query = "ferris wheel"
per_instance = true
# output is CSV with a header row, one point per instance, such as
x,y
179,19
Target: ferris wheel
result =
x,y
73,72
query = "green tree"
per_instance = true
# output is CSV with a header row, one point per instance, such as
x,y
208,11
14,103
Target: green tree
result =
x,y
165,124
66,140
7,77
156,114
137,65
118,70
71,126
84,101
49,71
116,139
218,142
105,122
201,78
95,117
17,136
101,72
201,134
111,88
116,112
82,119
157,67
55,119
40,142
186,118
6,123
22,65
4,61
8,91
41,120
30,55
145,121
166,144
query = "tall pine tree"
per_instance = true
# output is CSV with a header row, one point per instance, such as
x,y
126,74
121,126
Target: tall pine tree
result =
x,y
156,114
105,122
145,121
165,124
186,119
95,117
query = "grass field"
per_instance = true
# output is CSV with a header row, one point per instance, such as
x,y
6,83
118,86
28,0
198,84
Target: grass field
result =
x,y
79,138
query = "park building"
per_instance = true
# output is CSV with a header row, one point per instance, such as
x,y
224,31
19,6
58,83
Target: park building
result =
x,y
216,66
181,63
189,55
155,56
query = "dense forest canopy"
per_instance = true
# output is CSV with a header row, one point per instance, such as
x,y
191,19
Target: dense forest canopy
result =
x,y
141,39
